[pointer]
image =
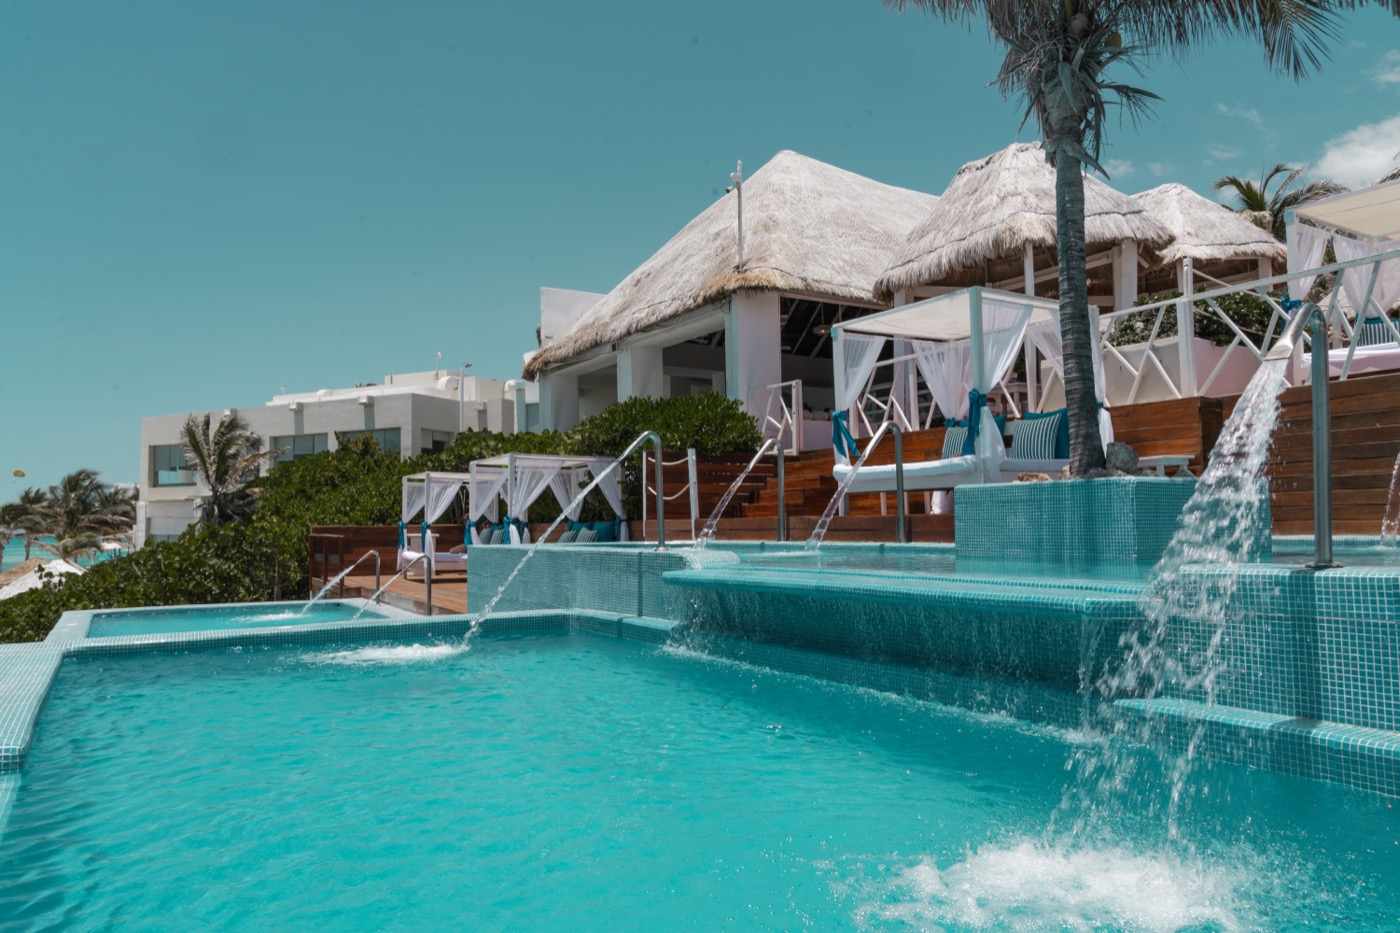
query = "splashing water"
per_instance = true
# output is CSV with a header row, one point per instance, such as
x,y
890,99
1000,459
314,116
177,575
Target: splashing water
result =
x,y
1026,885
389,654
708,532
814,540
1390,522
1186,606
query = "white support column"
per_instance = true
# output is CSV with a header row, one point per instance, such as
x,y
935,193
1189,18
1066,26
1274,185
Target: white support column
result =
x,y
752,348
558,401
1027,351
1125,275
906,374
1186,327
639,373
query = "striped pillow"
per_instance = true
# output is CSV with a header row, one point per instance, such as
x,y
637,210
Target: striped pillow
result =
x,y
953,440
586,536
1034,438
1373,332
568,537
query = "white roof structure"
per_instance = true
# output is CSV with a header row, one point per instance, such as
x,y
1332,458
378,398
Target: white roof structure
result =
x,y
1373,213
948,317
520,479
809,227
32,579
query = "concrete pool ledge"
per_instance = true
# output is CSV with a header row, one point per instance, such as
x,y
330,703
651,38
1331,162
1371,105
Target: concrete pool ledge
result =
x,y
74,625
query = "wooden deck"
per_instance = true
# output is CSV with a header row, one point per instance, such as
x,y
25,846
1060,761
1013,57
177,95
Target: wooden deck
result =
x,y
449,592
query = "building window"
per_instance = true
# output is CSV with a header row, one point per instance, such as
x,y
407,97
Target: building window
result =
x,y
433,441
386,438
532,416
169,467
292,446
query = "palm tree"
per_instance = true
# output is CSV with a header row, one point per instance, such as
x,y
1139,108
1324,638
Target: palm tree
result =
x,y
226,456
1058,55
79,511
1268,209
26,515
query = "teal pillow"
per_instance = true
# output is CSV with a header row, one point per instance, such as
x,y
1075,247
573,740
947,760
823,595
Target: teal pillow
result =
x,y
606,530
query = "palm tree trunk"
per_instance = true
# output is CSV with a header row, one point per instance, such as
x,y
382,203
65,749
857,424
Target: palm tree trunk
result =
x,y
1085,445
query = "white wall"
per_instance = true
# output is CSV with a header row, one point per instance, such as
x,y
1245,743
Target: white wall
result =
x,y
560,309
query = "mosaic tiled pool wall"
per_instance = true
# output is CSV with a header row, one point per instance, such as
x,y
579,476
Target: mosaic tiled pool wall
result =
x,y
1059,634
1096,525
625,580
1318,645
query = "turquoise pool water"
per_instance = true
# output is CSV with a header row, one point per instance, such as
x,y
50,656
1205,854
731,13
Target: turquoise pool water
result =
x,y
587,783
217,618
13,554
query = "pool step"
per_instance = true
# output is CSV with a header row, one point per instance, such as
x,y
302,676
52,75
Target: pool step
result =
x,y
1357,756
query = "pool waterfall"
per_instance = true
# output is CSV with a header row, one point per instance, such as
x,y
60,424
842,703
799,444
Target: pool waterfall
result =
x,y
708,533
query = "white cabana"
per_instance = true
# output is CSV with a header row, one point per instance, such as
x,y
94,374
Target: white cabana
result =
x,y
431,495
520,479
1357,224
964,344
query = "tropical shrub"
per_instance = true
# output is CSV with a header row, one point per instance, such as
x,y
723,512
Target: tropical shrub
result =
x,y
264,556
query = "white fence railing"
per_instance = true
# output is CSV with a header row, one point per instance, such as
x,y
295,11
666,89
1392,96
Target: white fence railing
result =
x,y
782,417
1204,305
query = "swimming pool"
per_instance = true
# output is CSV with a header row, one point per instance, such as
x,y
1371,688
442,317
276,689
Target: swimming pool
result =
x,y
158,621
567,779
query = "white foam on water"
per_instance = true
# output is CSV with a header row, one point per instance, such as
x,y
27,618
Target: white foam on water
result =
x,y
283,616
389,654
1031,886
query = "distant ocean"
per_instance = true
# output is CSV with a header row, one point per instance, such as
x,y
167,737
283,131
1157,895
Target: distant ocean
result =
x,y
14,554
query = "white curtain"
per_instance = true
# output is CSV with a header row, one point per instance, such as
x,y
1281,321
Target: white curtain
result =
x,y
414,496
610,485
861,352
482,494
944,367
527,484
439,492
565,486
1045,337
1003,329
1356,280
1306,245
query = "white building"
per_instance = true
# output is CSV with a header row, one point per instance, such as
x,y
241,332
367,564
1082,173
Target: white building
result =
x,y
408,413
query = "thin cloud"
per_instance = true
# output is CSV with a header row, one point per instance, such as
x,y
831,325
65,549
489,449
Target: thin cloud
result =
x,y
1159,169
1118,168
1387,70
1219,152
1361,157
1249,115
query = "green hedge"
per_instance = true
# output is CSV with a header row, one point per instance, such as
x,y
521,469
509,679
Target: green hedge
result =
x,y
265,557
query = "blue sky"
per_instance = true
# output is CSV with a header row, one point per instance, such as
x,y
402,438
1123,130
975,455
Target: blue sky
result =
x,y
203,203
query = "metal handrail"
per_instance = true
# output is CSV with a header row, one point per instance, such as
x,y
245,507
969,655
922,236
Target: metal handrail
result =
x,y
372,552
427,580
1312,317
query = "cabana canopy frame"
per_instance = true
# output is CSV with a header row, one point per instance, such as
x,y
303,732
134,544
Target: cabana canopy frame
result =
x,y
520,479
964,343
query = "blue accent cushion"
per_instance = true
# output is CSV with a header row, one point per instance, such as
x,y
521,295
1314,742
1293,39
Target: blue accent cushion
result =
x,y
1037,436
606,530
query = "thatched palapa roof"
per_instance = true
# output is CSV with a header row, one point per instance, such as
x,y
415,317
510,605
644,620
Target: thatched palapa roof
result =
x,y
809,227
1204,230
995,206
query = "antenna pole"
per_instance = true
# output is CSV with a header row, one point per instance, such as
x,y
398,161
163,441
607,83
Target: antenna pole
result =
x,y
737,176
